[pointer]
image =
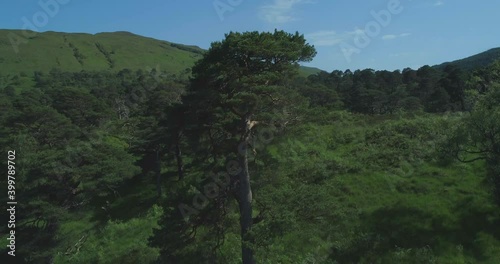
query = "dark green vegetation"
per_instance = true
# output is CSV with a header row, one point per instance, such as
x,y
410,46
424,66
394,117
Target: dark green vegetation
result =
x,y
144,166
476,61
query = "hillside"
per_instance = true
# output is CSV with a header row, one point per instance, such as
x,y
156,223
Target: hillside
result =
x,y
476,61
103,51
306,71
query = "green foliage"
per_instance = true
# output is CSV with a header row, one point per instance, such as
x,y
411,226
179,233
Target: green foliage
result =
x,y
474,62
383,92
477,137
241,82
116,242
99,52
353,172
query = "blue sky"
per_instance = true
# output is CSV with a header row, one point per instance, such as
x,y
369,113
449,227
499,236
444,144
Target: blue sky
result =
x,y
348,34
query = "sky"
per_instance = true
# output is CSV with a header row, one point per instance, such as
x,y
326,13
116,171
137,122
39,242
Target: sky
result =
x,y
347,34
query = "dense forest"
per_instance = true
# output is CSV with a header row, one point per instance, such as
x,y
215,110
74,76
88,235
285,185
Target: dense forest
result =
x,y
243,159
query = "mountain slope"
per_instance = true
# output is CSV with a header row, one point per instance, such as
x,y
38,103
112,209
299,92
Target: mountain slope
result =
x,y
103,51
306,71
474,62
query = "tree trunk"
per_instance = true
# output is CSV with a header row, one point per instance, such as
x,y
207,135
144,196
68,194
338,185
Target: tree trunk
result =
x,y
245,202
178,158
158,173
462,103
178,139
493,169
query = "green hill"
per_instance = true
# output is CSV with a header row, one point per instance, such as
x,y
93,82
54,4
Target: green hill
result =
x,y
476,61
306,71
103,51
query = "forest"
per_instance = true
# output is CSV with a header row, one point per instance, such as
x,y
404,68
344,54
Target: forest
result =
x,y
241,159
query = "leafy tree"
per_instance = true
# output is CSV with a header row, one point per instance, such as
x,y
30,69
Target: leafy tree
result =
x,y
478,136
320,95
65,168
453,83
83,108
236,87
428,89
159,130
438,101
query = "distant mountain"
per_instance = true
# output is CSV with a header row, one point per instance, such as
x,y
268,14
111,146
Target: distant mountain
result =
x,y
103,51
476,61
306,71
95,52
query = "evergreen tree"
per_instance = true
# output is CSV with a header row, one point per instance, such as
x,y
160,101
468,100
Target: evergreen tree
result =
x,y
241,84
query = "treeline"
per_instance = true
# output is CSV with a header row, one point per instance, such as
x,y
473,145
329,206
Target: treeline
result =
x,y
365,91
385,92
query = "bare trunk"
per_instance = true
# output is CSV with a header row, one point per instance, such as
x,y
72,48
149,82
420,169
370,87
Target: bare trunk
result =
x,y
245,203
158,173
462,103
180,164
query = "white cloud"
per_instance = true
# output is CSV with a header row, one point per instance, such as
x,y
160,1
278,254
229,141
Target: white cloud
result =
x,y
387,37
280,11
330,37
392,36
439,3
324,38
402,54
357,31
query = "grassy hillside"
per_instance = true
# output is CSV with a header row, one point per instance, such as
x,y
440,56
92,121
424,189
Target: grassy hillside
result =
x,y
104,51
476,61
306,71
